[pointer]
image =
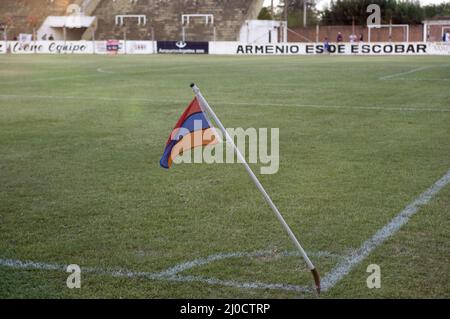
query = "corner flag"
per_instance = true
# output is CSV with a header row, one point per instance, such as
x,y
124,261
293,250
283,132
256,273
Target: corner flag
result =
x,y
199,110
192,130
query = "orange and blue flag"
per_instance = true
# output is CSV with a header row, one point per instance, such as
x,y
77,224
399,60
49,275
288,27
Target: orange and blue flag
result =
x,y
193,129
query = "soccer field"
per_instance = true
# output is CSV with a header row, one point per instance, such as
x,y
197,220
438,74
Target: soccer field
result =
x,y
362,139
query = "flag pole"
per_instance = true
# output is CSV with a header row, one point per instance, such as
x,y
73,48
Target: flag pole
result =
x,y
205,106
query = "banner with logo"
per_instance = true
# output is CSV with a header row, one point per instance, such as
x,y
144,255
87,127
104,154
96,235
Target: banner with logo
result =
x,y
50,47
441,48
25,37
78,47
113,46
413,48
231,48
101,47
182,47
140,47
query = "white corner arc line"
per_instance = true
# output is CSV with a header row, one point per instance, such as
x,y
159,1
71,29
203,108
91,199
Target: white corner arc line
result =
x,y
172,274
216,257
124,273
345,266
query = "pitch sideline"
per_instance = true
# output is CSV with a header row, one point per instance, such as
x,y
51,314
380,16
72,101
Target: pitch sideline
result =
x,y
423,68
169,100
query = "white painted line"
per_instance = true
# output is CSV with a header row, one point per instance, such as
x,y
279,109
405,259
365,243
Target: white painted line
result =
x,y
100,70
171,100
18,264
412,71
56,78
418,80
173,274
242,285
345,266
405,73
328,281
216,257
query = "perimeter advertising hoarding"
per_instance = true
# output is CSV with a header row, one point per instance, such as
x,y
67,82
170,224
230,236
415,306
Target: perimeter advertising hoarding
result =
x,y
182,47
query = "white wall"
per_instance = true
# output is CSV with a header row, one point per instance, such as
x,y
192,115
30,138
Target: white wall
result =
x,y
232,48
75,47
259,31
417,48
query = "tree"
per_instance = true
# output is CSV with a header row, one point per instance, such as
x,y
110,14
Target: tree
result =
x,y
434,10
294,5
265,14
344,12
296,12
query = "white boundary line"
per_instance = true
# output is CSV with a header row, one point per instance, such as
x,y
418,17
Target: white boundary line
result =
x,y
387,77
173,273
419,80
329,280
108,71
170,100
212,258
100,70
344,267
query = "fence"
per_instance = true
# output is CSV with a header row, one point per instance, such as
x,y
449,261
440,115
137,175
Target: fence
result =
x,y
318,34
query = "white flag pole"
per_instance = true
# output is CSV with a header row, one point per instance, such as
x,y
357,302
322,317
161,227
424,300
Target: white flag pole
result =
x,y
204,104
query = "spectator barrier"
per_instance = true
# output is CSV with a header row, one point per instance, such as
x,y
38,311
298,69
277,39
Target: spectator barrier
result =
x,y
223,48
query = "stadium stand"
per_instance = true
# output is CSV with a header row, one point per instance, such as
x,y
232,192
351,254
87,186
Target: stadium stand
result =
x,y
163,17
163,21
20,11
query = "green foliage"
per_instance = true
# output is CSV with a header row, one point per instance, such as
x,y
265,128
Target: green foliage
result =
x,y
295,5
295,19
265,14
343,12
295,13
442,9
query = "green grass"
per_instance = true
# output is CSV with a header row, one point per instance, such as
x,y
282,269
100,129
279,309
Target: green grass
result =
x,y
80,181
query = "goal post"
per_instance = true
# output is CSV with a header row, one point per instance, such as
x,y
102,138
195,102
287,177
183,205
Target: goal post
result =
x,y
186,19
405,27
434,30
